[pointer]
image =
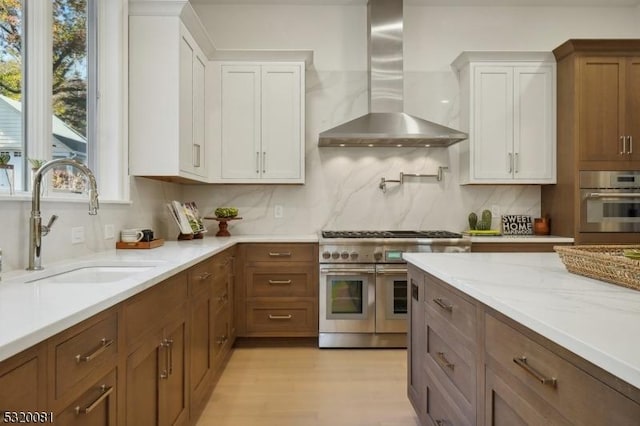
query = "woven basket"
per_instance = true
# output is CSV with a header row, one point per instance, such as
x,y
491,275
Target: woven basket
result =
x,y
602,262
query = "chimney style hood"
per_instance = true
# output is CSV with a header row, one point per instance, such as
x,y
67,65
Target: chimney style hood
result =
x,y
387,125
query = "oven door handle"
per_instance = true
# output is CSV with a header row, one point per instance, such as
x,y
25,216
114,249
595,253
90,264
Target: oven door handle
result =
x,y
347,271
613,195
391,271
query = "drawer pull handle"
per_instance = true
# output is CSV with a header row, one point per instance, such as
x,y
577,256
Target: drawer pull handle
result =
x,y
104,344
522,362
279,282
105,391
444,305
280,254
205,276
445,362
280,317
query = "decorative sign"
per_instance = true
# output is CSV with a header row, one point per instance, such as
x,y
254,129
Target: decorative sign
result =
x,y
517,224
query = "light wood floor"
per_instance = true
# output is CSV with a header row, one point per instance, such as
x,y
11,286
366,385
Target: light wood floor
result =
x,y
310,386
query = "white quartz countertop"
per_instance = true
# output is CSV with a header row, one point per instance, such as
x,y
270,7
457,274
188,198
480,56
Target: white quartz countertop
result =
x,y
598,321
33,312
520,239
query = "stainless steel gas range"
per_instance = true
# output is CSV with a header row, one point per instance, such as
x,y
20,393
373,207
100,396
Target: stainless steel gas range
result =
x,y
363,284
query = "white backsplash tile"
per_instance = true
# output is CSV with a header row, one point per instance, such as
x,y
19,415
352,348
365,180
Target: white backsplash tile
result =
x,y
342,184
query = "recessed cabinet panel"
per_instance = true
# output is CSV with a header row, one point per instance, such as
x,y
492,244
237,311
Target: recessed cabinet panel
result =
x,y
241,152
261,122
508,108
600,108
533,89
494,123
281,122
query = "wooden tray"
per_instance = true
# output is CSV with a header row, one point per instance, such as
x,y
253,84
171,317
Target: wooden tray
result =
x,y
140,244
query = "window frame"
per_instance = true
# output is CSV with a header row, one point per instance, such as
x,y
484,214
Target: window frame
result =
x,y
107,115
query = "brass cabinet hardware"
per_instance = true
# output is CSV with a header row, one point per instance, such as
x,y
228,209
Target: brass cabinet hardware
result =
x,y
444,305
522,362
278,282
104,344
444,361
105,391
204,276
280,254
623,141
280,317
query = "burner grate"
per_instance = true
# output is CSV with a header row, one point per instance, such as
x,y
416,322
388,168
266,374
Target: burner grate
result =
x,y
390,234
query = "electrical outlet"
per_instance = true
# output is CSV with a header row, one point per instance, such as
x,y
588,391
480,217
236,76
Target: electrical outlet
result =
x,y
278,211
77,235
495,211
109,232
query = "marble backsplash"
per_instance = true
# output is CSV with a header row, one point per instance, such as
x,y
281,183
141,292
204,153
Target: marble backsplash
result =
x,y
342,184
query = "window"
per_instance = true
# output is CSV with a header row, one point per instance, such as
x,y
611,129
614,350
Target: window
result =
x,y
49,104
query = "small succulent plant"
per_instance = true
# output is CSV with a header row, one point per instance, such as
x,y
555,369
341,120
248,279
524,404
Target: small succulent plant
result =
x,y
4,158
35,163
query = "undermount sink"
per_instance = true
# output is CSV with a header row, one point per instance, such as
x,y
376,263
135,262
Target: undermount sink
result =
x,y
93,273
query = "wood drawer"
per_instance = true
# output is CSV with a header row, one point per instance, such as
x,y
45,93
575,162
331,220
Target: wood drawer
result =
x,y
274,318
149,310
458,365
201,276
96,406
84,353
445,304
280,252
221,333
280,282
440,408
577,395
221,294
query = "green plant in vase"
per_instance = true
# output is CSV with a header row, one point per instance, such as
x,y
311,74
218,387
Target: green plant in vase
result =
x,y
8,169
35,165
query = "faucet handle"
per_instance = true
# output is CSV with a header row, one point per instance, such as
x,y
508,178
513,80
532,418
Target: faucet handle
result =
x,y
46,228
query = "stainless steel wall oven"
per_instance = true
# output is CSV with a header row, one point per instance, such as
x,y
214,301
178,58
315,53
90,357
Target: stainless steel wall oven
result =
x,y
363,284
610,201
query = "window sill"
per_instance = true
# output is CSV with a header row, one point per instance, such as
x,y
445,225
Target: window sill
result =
x,y
26,196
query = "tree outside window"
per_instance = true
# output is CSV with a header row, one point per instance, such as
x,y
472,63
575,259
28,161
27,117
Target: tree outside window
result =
x,y
69,88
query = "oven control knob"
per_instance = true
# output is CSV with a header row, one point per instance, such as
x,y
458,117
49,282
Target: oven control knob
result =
x,y
344,255
335,255
377,256
354,255
326,255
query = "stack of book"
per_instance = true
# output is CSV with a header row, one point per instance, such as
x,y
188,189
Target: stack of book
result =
x,y
187,217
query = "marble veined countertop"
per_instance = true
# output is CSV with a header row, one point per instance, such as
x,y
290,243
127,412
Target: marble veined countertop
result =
x,y
596,320
33,312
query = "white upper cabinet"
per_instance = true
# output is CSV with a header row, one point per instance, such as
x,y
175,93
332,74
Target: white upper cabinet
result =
x,y
166,100
508,107
259,111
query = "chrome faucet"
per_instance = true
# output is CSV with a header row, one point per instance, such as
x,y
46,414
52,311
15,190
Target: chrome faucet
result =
x,y
36,229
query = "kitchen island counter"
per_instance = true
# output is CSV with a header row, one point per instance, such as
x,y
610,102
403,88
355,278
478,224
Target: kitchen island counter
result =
x,y
596,320
32,312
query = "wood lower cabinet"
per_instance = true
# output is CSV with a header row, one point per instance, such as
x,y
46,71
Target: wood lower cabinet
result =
x,y
279,292
23,381
480,367
151,360
553,386
416,387
95,407
156,385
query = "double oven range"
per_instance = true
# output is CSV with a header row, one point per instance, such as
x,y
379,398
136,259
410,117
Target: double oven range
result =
x,y
363,284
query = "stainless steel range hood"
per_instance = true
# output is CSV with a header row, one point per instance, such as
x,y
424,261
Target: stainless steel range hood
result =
x,y
387,125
